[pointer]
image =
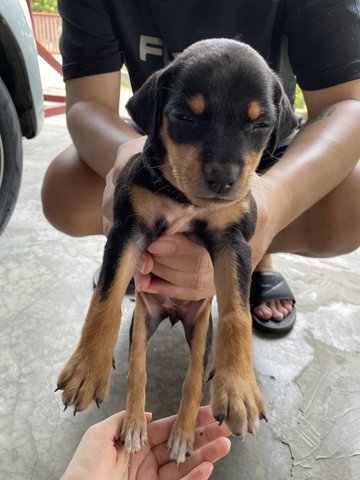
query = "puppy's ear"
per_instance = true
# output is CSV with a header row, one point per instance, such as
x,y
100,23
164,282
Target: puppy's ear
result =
x,y
145,106
286,118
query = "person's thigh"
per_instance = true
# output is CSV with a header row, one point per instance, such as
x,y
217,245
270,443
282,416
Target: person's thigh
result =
x,y
331,227
72,195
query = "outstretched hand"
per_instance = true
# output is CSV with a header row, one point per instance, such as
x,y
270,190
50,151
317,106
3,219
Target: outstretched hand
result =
x,y
100,455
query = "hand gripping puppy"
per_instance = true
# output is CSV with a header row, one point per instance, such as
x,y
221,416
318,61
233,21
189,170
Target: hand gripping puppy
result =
x,y
209,116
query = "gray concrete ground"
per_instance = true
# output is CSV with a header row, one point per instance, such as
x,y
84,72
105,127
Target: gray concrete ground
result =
x,y
311,378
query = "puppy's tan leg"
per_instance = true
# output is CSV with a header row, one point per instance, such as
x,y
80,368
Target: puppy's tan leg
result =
x,y
86,375
235,395
182,435
134,431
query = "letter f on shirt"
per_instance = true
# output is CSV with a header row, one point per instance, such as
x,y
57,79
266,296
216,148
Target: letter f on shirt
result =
x,y
150,46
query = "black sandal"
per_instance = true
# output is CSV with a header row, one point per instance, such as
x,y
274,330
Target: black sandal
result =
x,y
267,286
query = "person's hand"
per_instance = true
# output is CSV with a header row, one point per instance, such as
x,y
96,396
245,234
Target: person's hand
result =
x,y
183,269
124,153
100,455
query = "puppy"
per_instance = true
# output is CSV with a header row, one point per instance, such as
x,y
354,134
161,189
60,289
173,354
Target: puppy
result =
x,y
209,116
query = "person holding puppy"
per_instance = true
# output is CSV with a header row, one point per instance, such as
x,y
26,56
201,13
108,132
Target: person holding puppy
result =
x,y
308,196
315,216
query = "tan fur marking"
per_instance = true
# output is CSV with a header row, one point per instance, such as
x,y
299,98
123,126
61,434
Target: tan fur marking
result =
x,y
233,340
184,427
85,377
110,309
197,104
183,166
254,110
147,205
225,216
137,374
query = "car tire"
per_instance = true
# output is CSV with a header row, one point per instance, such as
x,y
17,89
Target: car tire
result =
x,y
10,156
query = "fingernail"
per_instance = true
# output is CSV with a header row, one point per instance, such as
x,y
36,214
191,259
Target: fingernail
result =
x,y
142,264
163,247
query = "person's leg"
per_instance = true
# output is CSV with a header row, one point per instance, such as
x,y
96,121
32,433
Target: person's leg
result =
x,y
72,195
331,227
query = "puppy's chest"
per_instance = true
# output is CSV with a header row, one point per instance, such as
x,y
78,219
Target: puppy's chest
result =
x,y
179,218
151,208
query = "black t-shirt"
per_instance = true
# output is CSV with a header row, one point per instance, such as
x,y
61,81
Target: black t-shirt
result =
x,y
313,42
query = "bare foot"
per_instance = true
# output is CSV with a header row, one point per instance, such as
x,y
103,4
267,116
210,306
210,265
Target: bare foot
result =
x,y
274,309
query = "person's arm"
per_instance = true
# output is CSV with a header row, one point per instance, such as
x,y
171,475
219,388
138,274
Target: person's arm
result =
x,y
92,105
319,158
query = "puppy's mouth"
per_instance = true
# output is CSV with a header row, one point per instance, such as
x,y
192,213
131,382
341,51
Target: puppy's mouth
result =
x,y
215,198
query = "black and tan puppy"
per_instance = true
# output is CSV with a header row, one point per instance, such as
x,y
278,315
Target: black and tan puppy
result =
x,y
209,116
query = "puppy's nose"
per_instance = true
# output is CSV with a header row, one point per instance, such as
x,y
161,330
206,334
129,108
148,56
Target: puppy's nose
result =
x,y
220,178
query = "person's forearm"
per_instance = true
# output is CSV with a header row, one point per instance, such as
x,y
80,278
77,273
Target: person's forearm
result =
x,y
319,159
97,133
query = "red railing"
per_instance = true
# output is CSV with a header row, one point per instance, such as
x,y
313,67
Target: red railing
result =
x,y
47,28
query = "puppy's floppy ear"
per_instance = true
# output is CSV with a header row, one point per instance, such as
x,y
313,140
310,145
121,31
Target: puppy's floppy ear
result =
x,y
145,106
286,118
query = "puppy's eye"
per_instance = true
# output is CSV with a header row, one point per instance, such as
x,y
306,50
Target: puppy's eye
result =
x,y
260,125
182,117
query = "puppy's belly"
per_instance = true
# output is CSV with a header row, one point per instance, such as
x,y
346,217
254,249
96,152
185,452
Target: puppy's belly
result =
x,y
159,307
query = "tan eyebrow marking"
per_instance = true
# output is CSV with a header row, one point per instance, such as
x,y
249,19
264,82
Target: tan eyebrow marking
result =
x,y
254,110
197,103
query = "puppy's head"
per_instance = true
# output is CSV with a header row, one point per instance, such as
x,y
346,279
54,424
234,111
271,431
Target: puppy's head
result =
x,y
212,112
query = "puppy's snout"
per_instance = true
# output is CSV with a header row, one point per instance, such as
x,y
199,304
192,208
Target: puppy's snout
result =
x,y
220,178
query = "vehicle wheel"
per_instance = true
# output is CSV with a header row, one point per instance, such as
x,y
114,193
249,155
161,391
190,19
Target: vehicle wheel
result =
x,y
10,156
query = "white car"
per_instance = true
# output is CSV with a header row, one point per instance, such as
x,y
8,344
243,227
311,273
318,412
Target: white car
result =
x,y
21,98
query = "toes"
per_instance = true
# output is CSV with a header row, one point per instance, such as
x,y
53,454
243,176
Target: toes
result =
x,y
83,382
238,402
134,433
181,443
274,309
263,311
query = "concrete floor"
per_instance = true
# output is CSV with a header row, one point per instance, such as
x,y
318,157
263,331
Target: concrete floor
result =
x,y
311,378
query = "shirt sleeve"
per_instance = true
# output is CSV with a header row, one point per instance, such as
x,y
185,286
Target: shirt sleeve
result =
x,y
324,41
88,43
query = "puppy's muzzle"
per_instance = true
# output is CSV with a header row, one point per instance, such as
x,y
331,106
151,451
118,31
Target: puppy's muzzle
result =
x,y
220,179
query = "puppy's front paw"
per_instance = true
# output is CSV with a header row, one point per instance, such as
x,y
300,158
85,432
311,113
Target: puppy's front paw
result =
x,y
237,400
181,441
134,432
85,378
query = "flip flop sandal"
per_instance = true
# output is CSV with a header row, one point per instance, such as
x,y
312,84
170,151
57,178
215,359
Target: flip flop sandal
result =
x,y
129,291
267,286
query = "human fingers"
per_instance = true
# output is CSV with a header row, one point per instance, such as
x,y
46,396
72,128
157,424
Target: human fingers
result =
x,y
176,243
112,425
159,430
182,269
107,205
201,472
211,452
204,435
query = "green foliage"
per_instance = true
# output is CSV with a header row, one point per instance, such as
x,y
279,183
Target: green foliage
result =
x,y
47,6
299,99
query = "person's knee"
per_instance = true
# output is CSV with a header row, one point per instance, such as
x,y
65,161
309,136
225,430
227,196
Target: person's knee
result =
x,y
52,197
71,195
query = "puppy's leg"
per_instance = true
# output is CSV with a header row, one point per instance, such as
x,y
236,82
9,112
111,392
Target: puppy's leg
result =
x,y
235,395
182,435
134,430
86,375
